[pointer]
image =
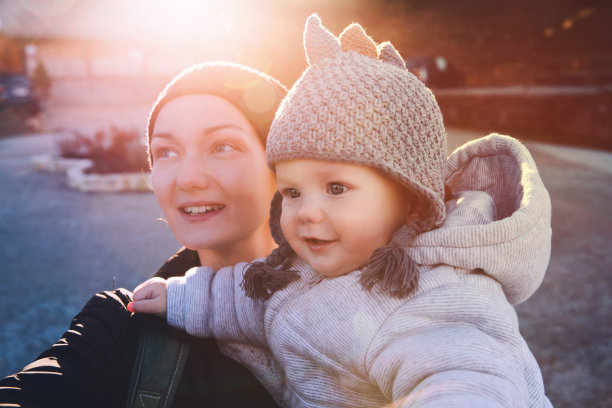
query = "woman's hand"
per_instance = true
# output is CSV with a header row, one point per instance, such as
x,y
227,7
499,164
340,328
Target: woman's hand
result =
x,y
149,297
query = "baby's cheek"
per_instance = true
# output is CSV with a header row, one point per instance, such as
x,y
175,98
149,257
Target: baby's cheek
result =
x,y
287,226
362,247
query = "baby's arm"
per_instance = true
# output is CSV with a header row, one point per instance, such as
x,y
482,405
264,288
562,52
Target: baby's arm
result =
x,y
149,297
205,303
440,350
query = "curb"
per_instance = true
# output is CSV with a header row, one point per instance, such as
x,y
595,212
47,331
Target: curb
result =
x,y
77,179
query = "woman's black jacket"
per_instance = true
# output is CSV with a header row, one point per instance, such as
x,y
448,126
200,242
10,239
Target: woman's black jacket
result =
x,y
91,365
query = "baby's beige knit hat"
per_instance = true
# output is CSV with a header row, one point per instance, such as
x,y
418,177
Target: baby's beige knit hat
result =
x,y
357,103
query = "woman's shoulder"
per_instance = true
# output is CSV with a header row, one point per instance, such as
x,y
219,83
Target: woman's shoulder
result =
x,y
179,263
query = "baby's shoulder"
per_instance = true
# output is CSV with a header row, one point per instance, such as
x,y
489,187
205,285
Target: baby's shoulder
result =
x,y
447,295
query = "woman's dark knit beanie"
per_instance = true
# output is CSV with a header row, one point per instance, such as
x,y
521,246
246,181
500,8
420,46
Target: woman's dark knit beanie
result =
x,y
254,93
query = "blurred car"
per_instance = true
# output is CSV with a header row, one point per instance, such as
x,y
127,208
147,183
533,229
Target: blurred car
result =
x,y
435,71
16,92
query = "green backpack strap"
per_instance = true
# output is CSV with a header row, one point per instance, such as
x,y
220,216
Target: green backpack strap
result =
x,y
157,369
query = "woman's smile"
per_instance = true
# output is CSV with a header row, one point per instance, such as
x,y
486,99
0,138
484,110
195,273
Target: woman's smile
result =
x,y
195,210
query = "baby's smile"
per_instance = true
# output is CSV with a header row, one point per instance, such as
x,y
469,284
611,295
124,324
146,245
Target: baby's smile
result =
x,y
318,244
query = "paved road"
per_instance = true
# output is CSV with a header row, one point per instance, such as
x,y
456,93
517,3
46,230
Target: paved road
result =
x,y
58,247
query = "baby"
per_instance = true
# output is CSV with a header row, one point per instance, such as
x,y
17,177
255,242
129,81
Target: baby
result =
x,y
382,291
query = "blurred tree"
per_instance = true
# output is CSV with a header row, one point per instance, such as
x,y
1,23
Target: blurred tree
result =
x,y
41,80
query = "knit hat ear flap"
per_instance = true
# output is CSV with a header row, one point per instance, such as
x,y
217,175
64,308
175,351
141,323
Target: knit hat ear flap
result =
x,y
388,53
275,211
354,38
262,279
319,43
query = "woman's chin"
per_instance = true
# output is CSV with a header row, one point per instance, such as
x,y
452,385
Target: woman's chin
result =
x,y
197,230
207,240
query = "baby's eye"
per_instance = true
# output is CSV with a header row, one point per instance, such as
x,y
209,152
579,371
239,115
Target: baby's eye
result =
x,y
336,188
290,193
223,147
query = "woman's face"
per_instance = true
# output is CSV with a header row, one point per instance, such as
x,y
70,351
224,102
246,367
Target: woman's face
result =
x,y
209,173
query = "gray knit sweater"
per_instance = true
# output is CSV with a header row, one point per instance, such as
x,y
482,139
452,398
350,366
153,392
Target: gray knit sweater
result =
x,y
325,342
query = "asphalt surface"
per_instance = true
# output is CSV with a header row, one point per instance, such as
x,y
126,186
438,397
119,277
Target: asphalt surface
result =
x,y
58,247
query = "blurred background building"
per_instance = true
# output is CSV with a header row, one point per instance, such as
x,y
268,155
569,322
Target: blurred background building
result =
x,y
542,68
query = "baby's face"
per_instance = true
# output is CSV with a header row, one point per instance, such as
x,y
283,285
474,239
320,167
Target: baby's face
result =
x,y
335,215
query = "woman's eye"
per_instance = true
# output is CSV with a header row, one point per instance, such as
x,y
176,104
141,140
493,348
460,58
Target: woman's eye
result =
x,y
336,188
164,153
223,147
290,193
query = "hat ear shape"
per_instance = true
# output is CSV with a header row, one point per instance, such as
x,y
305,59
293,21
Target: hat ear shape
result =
x,y
354,38
388,53
319,43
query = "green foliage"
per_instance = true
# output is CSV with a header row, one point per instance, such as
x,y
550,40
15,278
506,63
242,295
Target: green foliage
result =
x,y
115,151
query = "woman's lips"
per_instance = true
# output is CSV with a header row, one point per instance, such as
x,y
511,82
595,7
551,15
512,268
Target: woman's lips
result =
x,y
201,209
200,212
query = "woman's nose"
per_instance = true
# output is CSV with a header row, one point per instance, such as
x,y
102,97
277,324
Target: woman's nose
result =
x,y
193,174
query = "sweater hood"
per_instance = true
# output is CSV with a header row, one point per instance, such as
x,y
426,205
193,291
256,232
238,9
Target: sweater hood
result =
x,y
498,219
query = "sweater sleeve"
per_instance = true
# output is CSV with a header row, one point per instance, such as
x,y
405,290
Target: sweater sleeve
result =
x,y
451,348
206,303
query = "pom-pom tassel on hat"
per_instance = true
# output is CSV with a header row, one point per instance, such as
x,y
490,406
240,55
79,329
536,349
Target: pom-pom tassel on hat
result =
x,y
391,268
262,279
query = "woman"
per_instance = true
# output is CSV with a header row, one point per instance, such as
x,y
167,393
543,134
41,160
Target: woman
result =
x,y
206,136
